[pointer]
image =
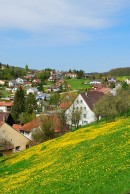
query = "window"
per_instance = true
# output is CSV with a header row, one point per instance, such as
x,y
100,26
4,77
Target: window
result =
x,y
27,146
81,101
1,154
84,108
84,115
77,101
17,148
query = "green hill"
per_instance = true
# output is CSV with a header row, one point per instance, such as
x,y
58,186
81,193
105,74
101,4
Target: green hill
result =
x,y
91,160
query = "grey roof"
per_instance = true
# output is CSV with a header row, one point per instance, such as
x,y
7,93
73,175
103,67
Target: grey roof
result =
x,y
91,97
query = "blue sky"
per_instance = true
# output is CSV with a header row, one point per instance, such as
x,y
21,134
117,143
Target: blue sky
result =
x,y
65,34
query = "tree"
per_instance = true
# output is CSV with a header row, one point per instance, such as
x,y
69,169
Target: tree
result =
x,y
106,107
25,117
30,103
123,102
45,131
125,85
54,99
80,74
63,118
26,68
75,117
19,104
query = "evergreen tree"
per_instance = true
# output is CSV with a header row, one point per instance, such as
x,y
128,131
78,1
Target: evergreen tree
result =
x,y
31,103
19,104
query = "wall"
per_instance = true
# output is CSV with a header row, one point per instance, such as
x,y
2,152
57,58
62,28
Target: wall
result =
x,y
81,105
14,137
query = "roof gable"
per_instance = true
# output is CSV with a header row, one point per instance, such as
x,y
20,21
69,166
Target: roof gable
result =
x,y
91,97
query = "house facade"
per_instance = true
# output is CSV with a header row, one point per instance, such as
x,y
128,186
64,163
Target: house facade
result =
x,y
16,139
32,90
5,106
84,102
13,83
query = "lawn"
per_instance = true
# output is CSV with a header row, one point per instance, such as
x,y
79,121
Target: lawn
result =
x,y
91,160
78,84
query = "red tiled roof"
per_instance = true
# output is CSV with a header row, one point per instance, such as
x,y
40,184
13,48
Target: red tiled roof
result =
x,y
6,103
28,126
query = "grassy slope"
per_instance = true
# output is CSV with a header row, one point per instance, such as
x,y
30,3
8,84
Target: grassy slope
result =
x,y
90,160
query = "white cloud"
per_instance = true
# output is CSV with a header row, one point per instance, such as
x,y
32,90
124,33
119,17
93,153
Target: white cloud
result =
x,y
41,14
59,19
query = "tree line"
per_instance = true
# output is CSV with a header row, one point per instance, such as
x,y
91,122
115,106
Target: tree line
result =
x,y
110,106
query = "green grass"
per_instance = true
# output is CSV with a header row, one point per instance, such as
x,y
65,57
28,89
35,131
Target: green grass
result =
x,y
5,93
91,160
78,84
122,78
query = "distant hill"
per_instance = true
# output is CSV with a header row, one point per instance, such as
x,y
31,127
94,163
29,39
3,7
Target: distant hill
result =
x,y
91,160
125,71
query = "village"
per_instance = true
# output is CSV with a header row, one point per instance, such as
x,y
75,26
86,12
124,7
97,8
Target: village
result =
x,y
52,103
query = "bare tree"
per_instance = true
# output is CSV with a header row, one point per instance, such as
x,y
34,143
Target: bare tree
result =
x,y
76,115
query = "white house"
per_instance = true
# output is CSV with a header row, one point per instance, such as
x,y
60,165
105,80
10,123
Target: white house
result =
x,y
84,102
42,96
5,106
20,80
13,83
127,81
95,82
32,90
2,82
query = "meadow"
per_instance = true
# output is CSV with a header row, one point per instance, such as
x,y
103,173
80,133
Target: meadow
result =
x,y
78,84
90,160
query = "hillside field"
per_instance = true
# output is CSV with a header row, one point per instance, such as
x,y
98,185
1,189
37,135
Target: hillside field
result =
x,y
78,84
91,160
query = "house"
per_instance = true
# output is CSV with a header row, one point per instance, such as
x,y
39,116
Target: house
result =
x,y
2,82
36,81
20,80
6,148
84,102
29,76
127,81
15,89
42,96
26,84
111,80
16,139
101,88
5,106
27,128
32,90
95,82
13,83
114,90
54,89
55,77
6,117
71,75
